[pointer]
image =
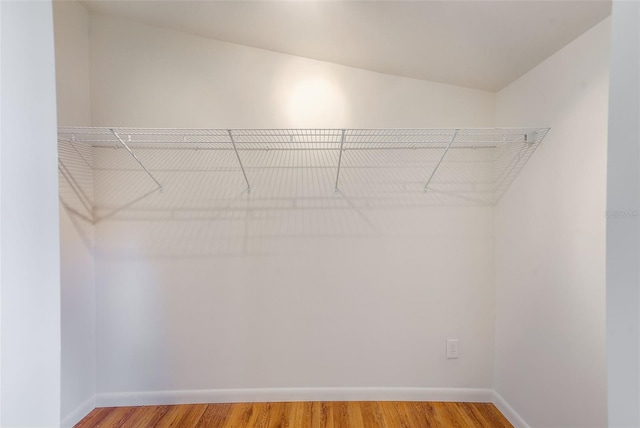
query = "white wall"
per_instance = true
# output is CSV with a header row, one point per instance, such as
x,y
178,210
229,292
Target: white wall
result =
x,y
30,309
207,288
146,76
623,232
71,25
71,33
550,242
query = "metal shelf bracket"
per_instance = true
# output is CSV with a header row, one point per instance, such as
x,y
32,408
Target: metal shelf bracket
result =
x,y
336,189
453,138
160,188
235,149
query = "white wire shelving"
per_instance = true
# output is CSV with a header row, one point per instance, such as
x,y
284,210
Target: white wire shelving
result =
x,y
349,162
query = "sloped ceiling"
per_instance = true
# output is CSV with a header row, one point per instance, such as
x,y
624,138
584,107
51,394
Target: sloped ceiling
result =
x,y
476,44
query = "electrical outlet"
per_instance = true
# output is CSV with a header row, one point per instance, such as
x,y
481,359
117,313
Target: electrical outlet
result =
x,y
453,348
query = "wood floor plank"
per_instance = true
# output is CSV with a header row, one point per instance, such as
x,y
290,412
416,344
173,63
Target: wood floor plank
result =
x,y
299,414
340,414
467,415
170,418
322,415
260,417
276,415
240,415
189,416
214,416
252,416
192,416
421,414
474,414
371,414
395,415
94,417
365,414
117,417
144,416
493,416
451,416
355,414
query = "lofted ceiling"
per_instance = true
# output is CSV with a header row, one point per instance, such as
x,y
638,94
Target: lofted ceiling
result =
x,y
475,44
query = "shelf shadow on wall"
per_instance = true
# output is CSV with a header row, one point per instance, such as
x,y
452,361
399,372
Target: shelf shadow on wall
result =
x,y
206,210
76,196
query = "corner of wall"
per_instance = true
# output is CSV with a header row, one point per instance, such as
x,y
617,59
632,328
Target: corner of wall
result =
x,y
76,415
512,416
71,35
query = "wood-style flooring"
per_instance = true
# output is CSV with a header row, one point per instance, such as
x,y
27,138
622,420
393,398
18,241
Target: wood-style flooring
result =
x,y
356,414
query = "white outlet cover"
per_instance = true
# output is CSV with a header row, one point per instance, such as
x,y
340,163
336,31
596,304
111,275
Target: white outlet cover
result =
x,y
453,349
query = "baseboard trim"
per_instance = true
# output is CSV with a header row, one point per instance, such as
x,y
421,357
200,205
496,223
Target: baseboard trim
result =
x,y
292,394
516,420
78,413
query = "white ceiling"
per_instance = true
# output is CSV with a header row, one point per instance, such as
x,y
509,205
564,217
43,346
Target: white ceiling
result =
x,y
476,44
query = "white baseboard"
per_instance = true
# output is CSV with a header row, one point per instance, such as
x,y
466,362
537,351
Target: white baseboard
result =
x,y
78,413
516,420
292,394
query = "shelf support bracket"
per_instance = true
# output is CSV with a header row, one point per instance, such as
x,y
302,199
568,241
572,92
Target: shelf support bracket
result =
x,y
235,149
71,142
530,137
453,138
136,159
336,190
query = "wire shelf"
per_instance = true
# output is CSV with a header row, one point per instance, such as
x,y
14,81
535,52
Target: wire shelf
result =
x,y
127,165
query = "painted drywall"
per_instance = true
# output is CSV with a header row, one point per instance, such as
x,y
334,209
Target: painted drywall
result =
x,y
550,242
71,27
71,33
29,236
205,289
147,76
623,231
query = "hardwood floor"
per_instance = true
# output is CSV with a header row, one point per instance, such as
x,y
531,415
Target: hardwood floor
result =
x,y
354,414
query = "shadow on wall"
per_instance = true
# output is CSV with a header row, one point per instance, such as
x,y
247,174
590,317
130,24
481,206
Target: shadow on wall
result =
x,y
75,178
206,209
